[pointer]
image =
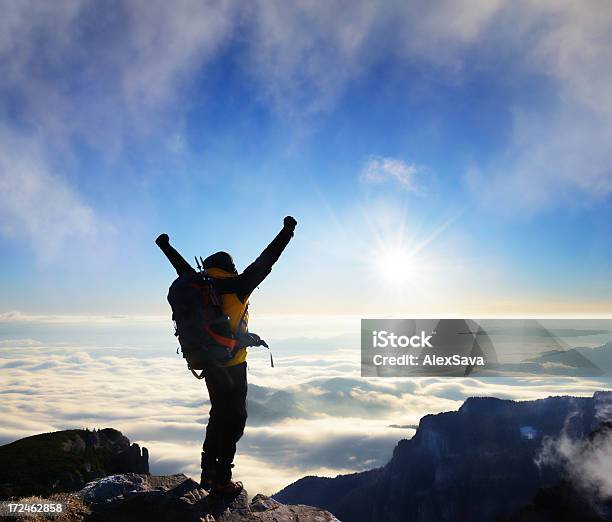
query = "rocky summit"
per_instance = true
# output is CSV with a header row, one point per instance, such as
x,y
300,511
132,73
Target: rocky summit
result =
x,y
129,497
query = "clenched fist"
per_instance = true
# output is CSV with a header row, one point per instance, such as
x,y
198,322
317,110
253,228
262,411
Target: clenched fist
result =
x,y
162,239
290,223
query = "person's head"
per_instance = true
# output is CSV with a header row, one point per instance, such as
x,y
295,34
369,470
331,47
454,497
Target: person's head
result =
x,y
221,260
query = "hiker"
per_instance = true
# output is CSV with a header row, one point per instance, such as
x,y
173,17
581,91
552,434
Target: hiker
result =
x,y
227,382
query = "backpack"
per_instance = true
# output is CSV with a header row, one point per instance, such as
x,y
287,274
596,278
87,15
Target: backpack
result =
x,y
202,329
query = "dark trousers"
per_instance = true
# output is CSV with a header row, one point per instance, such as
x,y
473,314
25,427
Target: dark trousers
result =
x,y
227,389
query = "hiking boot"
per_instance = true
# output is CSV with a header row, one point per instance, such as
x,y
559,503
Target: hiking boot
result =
x,y
230,488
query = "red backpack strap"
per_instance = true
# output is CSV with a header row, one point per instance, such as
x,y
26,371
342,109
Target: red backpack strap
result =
x,y
222,340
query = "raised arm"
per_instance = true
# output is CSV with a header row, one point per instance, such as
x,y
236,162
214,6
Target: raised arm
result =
x,y
258,270
178,261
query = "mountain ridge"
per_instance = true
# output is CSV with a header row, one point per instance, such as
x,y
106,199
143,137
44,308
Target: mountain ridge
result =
x,y
66,460
476,463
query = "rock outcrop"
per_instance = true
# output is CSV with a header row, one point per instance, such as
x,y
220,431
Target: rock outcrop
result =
x,y
169,498
130,497
64,461
478,463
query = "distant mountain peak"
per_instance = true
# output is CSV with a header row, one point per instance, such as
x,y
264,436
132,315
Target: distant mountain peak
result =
x,y
476,463
66,460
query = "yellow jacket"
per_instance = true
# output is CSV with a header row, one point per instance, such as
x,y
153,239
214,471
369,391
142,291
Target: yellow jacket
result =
x,y
237,311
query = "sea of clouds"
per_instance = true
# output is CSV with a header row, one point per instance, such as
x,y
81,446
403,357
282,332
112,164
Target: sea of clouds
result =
x,y
311,414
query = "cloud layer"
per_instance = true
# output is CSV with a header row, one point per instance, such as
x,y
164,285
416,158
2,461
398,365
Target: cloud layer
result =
x,y
311,414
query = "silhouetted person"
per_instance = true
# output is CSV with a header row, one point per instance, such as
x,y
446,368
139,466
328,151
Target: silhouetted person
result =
x,y
227,382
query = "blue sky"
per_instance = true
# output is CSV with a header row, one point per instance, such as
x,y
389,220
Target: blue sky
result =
x,y
450,158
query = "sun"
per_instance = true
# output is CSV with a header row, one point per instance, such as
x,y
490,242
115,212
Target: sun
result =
x,y
395,265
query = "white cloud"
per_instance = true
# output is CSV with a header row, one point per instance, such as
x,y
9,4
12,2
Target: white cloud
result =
x,y
73,73
19,342
97,75
303,54
380,170
557,152
16,317
38,205
588,461
313,413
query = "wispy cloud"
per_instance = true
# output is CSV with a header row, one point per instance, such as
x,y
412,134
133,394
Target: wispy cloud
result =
x,y
303,57
74,74
17,317
587,461
378,170
38,205
19,342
